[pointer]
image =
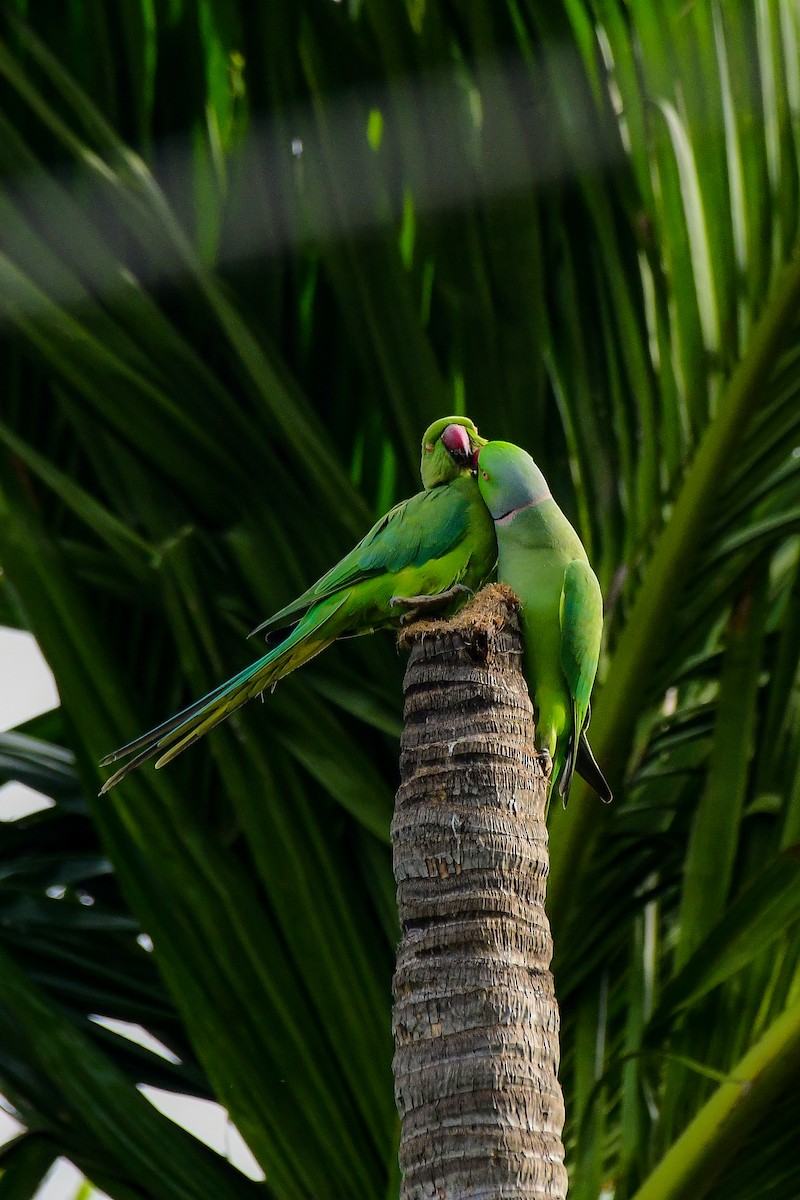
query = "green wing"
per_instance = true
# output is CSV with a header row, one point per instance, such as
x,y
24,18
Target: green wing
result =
x,y
581,619
425,527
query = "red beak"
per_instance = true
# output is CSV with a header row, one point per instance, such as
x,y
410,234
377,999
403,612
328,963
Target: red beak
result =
x,y
456,440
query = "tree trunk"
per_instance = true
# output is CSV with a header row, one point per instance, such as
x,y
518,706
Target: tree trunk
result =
x,y
475,1015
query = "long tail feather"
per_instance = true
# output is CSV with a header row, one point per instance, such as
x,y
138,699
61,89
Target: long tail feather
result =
x,y
209,711
173,736
566,770
184,716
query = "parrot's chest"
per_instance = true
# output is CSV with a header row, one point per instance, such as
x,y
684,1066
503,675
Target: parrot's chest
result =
x,y
532,561
533,567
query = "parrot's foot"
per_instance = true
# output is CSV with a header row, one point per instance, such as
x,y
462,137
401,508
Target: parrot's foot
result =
x,y
420,606
546,759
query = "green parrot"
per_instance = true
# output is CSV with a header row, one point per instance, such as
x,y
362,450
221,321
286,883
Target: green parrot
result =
x,y
432,550
542,559
444,446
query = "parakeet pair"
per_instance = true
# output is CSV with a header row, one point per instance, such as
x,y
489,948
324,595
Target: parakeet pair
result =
x,y
434,550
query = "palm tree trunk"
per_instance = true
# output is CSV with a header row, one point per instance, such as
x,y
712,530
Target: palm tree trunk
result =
x,y
475,1016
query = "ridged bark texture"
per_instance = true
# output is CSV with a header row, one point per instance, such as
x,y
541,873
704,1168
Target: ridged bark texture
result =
x,y
475,1016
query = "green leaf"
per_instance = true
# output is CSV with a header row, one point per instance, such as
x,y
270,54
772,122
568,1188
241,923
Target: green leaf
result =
x,y
763,912
696,1159
714,838
24,1162
119,1121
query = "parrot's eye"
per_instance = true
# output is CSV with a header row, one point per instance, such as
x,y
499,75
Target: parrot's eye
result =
x,y
429,447
485,474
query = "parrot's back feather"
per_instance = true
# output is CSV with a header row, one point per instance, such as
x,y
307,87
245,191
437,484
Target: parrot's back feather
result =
x,y
580,613
581,629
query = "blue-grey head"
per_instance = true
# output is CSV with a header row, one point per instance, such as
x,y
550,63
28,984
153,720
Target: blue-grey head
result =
x,y
509,480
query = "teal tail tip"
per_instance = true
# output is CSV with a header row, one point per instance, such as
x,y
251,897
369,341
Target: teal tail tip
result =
x,y
126,768
112,779
147,746
109,784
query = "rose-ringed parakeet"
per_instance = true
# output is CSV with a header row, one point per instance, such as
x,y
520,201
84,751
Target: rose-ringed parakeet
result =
x,y
444,446
433,549
542,559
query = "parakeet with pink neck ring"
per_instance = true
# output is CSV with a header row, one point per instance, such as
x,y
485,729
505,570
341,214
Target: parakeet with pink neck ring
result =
x,y
432,550
542,559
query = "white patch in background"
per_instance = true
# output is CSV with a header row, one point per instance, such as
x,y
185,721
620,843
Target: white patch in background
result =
x,y
135,1033
9,1126
18,800
62,1182
206,1120
209,1122
27,686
